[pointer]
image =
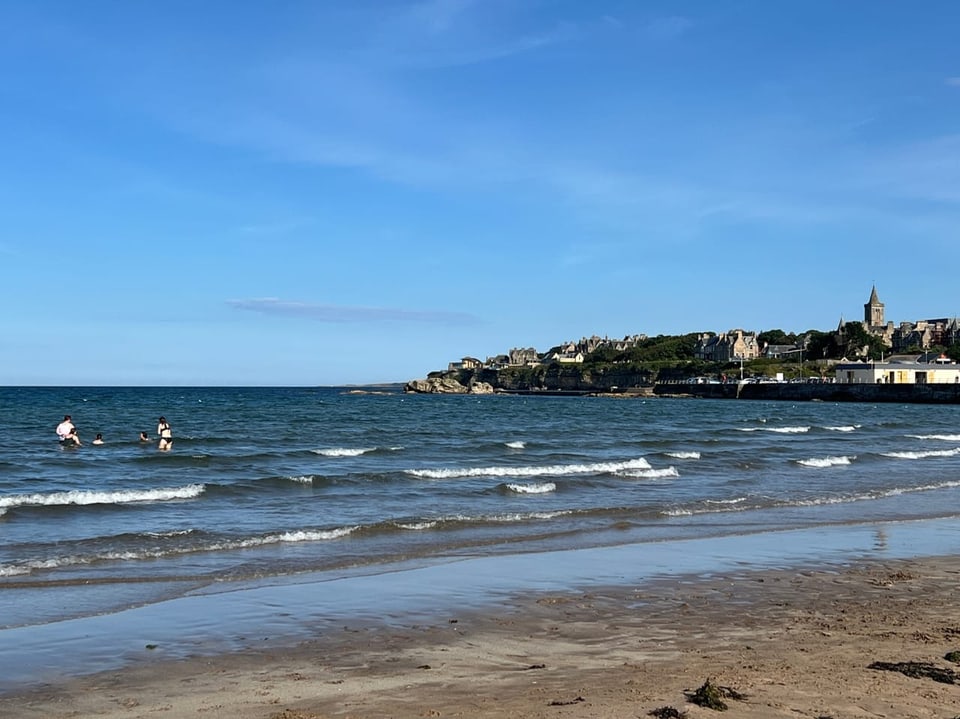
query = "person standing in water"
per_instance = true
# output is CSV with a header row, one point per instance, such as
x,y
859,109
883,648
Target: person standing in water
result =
x,y
165,434
99,439
67,432
65,428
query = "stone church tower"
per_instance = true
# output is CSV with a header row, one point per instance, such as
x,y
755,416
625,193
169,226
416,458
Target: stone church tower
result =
x,y
873,310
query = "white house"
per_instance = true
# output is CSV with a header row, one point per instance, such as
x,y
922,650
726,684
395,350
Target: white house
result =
x,y
940,371
568,357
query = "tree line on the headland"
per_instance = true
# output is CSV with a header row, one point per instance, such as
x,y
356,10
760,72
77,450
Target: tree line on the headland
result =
x,y
674,358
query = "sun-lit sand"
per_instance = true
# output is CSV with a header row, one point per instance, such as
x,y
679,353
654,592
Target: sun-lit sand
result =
x,y
789,643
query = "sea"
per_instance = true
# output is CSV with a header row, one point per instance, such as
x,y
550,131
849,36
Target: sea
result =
x,y
268,486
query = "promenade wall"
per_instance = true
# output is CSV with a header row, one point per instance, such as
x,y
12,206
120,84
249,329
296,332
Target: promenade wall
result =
x,y
828,392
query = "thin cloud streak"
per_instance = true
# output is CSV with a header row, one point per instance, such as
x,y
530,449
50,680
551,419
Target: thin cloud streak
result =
x,y
340,314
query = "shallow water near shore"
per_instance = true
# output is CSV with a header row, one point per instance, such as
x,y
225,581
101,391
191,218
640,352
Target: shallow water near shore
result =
x,y
285,611
285,509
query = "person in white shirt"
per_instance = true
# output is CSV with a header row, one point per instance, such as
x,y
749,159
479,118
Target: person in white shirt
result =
x,y
65,428
67,432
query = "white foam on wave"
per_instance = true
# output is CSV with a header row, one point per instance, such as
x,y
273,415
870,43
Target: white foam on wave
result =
x,y
82,497
942,437
301,535
520,517
779,430
731,505
171,533
343,451
683,455
821,462
302,479
430,524
513,517
844,428
650,473
516,445
923,454
893,492
542,488
717,506
555,470
11,570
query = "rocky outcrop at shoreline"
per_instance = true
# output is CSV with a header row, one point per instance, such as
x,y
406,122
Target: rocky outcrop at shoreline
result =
x,y
447,385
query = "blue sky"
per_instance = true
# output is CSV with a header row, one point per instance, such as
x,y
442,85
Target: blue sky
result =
x,y
310,193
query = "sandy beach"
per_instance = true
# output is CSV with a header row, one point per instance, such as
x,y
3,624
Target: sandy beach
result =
x,y
780,643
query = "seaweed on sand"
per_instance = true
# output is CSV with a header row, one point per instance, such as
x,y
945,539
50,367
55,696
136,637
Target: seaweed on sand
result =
x,y
667,713
919,670
711,696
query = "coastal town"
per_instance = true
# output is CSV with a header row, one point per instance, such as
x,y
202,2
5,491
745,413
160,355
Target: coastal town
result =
x,y
872,350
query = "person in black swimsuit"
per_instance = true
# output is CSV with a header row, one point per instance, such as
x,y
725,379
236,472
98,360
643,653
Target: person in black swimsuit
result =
x,y
166,434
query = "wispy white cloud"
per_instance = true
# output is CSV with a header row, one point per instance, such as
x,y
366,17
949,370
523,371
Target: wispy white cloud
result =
x,y
953,81
362,116
341,314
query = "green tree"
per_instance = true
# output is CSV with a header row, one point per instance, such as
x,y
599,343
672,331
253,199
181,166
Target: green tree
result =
x,y
776,337
858,342
823,345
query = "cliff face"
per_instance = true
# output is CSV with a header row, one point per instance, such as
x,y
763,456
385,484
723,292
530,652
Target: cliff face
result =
x,y
553,377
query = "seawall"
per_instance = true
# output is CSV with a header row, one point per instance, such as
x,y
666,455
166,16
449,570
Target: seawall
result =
x,y
806,392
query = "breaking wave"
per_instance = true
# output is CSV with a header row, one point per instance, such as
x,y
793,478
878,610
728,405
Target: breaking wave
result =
x,y
923,454
101,497
343,451
650,473
556,470
541,488
11,570
825,461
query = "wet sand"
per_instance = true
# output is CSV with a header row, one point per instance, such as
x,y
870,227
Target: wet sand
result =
x,y
788,642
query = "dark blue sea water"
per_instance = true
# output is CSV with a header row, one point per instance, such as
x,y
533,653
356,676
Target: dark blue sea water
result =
x,y
270,482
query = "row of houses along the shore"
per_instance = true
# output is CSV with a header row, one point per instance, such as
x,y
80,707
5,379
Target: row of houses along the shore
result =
x,y
738,344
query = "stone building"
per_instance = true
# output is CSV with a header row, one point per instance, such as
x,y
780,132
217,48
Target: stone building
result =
x,y
729,347
874,321
873,311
